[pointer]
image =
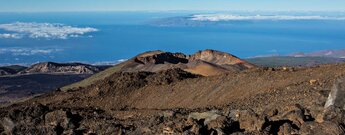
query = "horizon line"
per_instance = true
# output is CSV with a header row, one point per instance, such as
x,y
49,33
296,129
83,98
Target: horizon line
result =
x,y
104,11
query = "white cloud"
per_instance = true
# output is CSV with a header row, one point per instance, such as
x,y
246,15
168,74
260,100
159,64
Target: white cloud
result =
x,y
15,51
6,35
110,62
122,60
229,17
44,30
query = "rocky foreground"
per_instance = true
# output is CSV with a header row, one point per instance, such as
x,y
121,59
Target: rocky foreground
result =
x,y
174,101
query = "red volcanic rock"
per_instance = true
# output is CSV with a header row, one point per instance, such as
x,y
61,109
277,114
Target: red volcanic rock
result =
x,y
206,63
219,58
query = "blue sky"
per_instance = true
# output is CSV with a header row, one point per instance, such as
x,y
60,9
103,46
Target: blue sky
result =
x,y
133,5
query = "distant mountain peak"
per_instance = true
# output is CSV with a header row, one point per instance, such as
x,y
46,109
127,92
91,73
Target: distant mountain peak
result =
x,y
150,53
10,70
62,68
218,57
159,57
206,62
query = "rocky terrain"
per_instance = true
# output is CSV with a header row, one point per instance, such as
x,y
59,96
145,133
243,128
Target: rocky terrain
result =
x,y
135,99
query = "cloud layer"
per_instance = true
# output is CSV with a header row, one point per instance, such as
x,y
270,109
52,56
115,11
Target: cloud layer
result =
x,y
43,30
16,51
229,17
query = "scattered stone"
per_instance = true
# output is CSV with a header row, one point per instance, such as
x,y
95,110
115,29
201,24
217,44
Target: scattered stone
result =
x,y
167,114
312,82
285,68
146,130
168,130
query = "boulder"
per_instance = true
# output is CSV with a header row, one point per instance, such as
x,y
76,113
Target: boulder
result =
x,y
62,121
325,128
222,125
285,129
249,120
27,115
211,123
206,116
195,127
296,115
219,123
56,118
293,114
337,96
7,125
332,114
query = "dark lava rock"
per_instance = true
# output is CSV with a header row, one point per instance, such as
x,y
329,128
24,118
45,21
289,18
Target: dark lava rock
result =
x,y
250,121
285,129
325,128
162,57
61,120
332,114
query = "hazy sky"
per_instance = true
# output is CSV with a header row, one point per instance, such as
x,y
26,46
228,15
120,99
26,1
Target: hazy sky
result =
x,y
130,5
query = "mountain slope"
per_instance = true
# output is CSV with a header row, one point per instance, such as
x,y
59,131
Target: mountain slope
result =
x,y
205,91
256,101
10,70
4,71
206,63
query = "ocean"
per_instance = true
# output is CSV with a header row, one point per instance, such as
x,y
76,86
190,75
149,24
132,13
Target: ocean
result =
x,y
110,37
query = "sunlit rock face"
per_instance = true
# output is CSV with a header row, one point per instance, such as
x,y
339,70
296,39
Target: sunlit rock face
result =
x,y
337,96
